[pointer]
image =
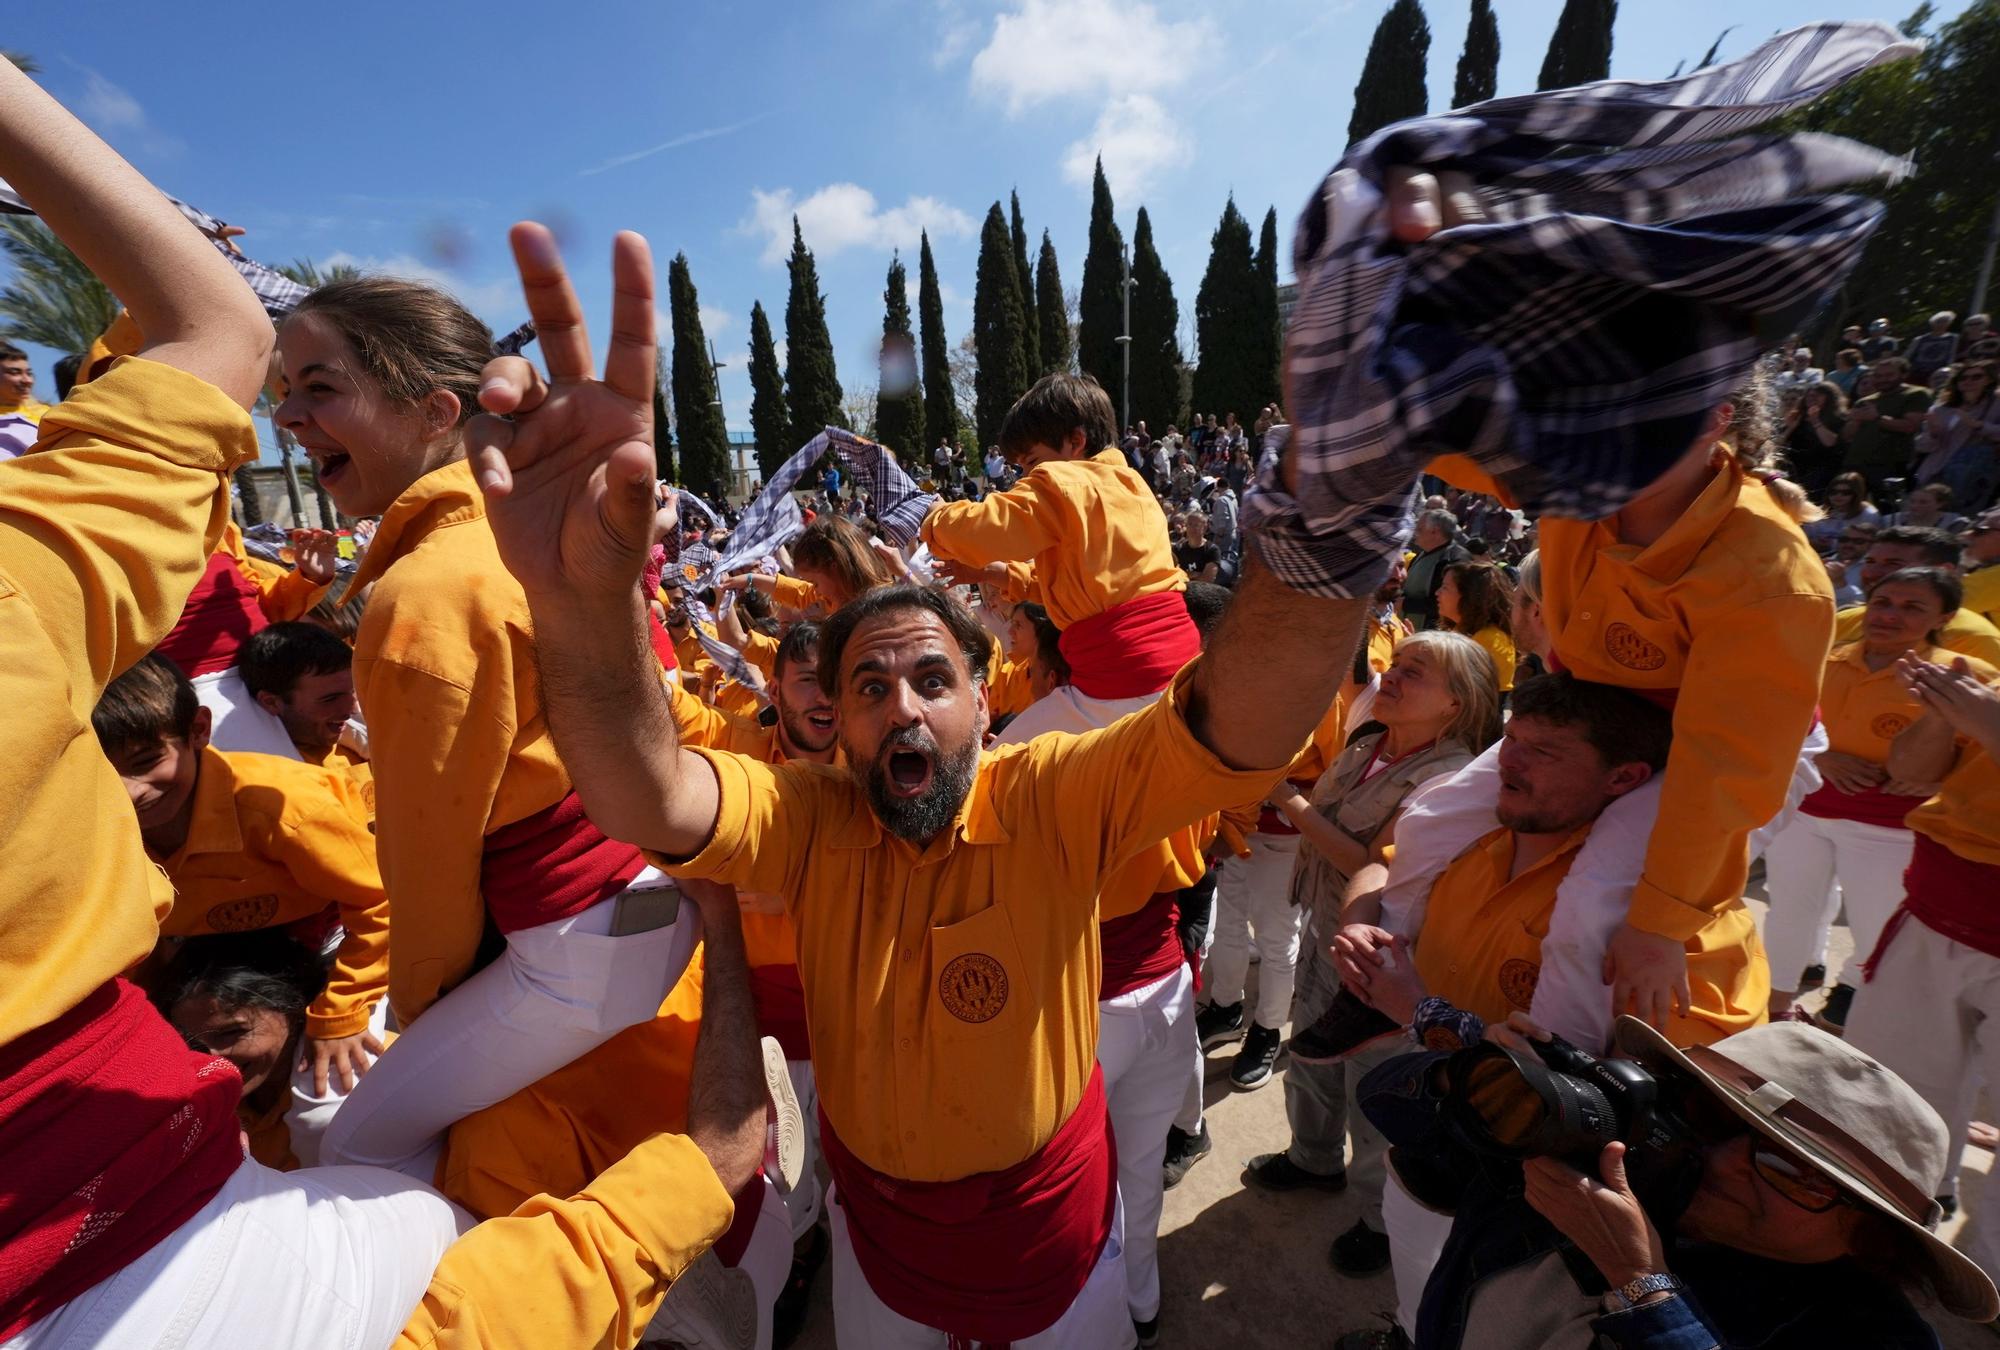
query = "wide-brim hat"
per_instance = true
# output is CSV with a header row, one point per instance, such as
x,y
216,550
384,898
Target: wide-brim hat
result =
x,y
1839,1111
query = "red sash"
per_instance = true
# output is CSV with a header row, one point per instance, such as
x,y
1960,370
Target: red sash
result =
x,y
1955,897
552,865
995,1257
1141,947
1132,649
1871,807
781,1008
1270,820
114,1133
223,612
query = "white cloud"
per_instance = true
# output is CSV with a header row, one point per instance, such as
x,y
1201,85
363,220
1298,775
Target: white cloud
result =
x,y
1051,51
714,320
1137,139
114,112
957,32
484,298
841,216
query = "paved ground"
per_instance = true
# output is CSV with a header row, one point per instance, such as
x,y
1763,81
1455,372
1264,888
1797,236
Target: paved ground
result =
x,y
1241,1268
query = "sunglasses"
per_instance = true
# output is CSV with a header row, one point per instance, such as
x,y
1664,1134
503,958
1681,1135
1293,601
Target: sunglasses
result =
x,y
1807,1187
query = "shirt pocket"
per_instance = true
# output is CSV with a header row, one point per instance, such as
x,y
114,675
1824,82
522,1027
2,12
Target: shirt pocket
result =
x,y
979,985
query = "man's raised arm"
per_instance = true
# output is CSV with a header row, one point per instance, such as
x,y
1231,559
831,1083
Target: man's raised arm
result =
x,y
570,492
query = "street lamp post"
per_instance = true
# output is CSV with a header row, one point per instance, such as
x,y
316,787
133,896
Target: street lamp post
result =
x,y
1125,339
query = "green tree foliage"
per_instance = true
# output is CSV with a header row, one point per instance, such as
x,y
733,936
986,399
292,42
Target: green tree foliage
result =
x,y
769,426
697,405
312,275
1156,345
997,321
663,429
1268,330
812,389
899,414
51,299
1479,63
1926,255
1580,48
1031,340
1392,86
940,403
1100,307
1050,314
1226,317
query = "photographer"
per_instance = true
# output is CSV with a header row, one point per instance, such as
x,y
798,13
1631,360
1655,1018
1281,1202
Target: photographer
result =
x,y
1771,1190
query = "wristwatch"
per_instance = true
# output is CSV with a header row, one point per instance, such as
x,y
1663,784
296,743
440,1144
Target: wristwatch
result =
x,y
1627,1296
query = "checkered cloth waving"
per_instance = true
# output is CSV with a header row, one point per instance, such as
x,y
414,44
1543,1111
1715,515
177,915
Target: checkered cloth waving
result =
x,y
1574,342
894,499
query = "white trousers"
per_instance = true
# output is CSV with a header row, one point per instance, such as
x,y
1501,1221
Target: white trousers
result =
x,y
767,1261
1253,904
1097,1320
1417,1235
1924,1016
236,720
311,1112
1145,1045
802,1202
1188,1120
332,1258
558,992
1814,866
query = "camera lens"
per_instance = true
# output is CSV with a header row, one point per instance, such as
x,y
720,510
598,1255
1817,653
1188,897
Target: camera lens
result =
x,y
1516,1106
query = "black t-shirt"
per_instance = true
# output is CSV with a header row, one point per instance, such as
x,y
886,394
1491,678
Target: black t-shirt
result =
x,y
1194,557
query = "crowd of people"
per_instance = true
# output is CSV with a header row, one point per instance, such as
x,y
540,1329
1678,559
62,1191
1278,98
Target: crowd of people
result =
x,y
592,912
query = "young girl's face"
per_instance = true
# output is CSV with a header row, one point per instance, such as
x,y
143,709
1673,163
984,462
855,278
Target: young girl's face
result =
x,y
1447,600
365,449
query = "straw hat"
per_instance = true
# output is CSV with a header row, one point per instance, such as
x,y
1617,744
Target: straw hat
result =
x,y
1821,1098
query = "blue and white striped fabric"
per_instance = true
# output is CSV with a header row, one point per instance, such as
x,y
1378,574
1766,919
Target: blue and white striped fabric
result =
x,y
895,501
727,657
1572,343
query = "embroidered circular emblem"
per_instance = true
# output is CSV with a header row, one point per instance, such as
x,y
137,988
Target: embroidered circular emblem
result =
x,y
691,572
1517,982
1442,1039
1624,645
1889,725
240,916
973,987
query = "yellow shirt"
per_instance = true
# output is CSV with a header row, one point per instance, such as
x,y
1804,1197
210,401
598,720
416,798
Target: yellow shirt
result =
x,y
1864,710
951,993
1007,688
273,841
444,664
1965,814
1982,593
283,595
1501,648
1965,633
1092,528
31,408
103,533
1733,609
1481,946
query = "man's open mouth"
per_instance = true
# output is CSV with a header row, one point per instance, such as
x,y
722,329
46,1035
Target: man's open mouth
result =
x,y
820,721
910,772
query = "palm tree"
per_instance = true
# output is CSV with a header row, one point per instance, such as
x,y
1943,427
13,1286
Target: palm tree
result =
x,y
24,63
312,276
52,299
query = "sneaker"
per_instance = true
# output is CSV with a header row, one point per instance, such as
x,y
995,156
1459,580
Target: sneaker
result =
x,y
1833,1013
1184,1150
1252,1068
1813,978
1277,1172
785,1128
1346,1026
1219,1024
1392,1339
1360,1251
1149,1332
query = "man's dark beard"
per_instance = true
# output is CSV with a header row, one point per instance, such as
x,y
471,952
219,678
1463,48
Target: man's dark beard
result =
x,y
800,735
917,819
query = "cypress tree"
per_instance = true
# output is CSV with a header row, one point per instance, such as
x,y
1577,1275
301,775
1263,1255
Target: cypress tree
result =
x,y
697,406
1156,344
1580,48
1100,312
1051,315
812,389
1269,332
1479,63
1031,349
899,413
940,405
663,431
1391,86
1226,322
996,329
769,426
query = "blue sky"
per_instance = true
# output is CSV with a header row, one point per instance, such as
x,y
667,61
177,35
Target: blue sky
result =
x,y
407,136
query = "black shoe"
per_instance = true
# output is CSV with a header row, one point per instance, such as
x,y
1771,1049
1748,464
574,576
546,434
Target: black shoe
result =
x,y
1219,1025
1346,1026
1813,977
794,1301
1184,1150
1948,1207
1833,1013
1252,1068
1392,1339
1277,1172
1360,1251
1149,1332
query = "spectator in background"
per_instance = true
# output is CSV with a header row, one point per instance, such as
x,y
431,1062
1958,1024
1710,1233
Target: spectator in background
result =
x,y
1197,553
1847,371
1926,506
1852,336
996,469
1933,350
1813,418
1982,562
20,411
1240,471
1437,545
1844,567
1799,373
1222,506
1879,343
1477,600
1961,436
1847,505
829,483
1882,426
